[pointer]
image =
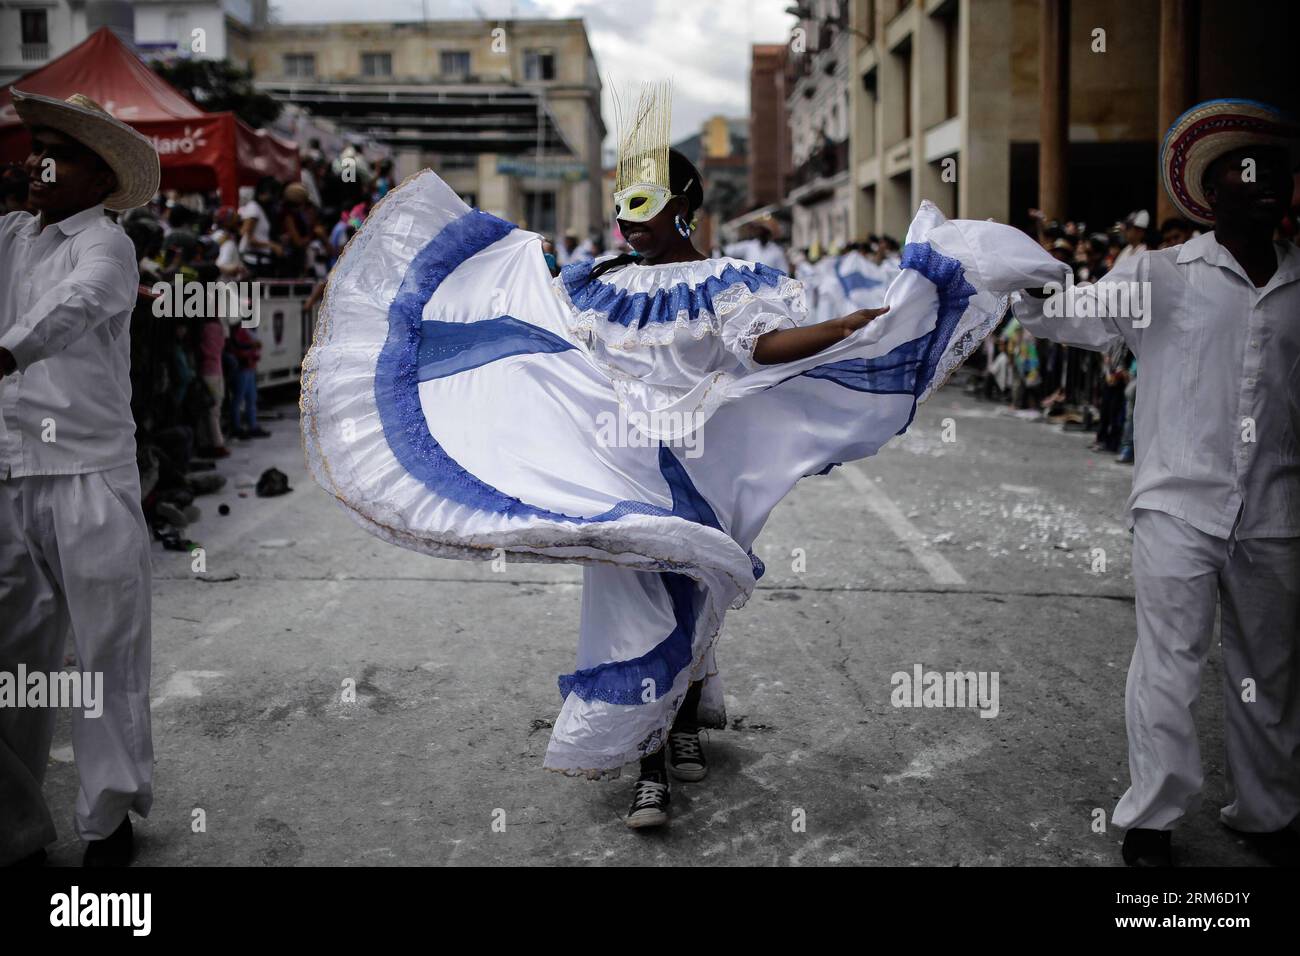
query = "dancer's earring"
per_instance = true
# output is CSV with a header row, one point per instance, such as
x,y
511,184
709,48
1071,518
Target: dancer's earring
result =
x,y
683,228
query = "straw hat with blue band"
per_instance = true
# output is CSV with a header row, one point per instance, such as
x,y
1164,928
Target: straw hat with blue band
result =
x,y
130,155
1207,131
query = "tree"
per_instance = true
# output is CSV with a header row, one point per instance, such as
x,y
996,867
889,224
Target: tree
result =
x,y
220,86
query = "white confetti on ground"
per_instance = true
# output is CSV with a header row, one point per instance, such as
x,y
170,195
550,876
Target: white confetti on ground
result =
x,y
184,684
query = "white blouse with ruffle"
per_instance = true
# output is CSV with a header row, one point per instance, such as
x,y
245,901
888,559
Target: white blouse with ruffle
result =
x,y
668,335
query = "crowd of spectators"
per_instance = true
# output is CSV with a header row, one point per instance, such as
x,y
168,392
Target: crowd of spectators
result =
x,y
194,378
1086,391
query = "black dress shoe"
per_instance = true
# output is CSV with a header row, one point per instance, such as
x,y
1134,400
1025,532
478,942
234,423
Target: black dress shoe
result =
x,y
115,850
1144,847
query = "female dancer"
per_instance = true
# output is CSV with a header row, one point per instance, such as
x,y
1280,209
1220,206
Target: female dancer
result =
x,y
640,415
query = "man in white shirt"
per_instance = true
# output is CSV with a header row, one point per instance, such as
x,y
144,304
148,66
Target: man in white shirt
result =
x,y
806,271
74,548
1215,506
759,247
226,236
255,243
1135,235
571,250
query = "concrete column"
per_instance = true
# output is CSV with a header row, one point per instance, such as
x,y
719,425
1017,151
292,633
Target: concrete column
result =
x,y
1053,107
862,140
926,95
984,105
494,192
1177,76
894,193
407,162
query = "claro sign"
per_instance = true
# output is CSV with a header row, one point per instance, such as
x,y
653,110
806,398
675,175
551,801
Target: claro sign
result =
x,y
186,143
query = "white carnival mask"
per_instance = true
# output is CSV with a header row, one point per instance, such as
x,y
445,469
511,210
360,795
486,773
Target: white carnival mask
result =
x,y
641,202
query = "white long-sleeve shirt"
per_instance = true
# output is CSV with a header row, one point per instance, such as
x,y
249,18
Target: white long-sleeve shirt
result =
x,y
1217,428
66,295
751,250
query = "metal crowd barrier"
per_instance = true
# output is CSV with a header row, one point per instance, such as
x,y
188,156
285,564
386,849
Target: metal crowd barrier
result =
x,y
285,327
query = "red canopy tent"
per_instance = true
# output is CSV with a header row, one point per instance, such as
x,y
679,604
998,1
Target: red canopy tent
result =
x,y
199,151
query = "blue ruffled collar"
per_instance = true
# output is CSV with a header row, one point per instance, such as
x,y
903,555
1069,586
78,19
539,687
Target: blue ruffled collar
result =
x,y
637,309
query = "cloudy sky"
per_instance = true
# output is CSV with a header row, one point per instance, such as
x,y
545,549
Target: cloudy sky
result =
x,y
703,45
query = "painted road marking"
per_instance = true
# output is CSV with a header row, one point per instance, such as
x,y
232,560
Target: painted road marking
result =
x,y
936,564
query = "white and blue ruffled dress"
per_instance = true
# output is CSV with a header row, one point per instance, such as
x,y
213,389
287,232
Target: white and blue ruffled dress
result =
x,y
848,282
461,403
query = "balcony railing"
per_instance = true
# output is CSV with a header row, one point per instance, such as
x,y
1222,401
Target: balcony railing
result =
x,y
32,52
829,159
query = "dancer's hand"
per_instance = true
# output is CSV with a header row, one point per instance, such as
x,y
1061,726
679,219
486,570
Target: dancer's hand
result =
x,y
789,345
856,320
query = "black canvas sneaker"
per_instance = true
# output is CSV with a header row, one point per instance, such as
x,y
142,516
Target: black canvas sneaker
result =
x,y
685,756
649,802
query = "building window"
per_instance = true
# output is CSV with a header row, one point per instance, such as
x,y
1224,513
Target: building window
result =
x,y
455,63
300,64
904,55
36,26
35,34
457,161
539,64
178,29
539,212
376,64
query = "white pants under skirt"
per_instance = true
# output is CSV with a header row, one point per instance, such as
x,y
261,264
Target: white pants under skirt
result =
x,y
1181,575
74,557
626,615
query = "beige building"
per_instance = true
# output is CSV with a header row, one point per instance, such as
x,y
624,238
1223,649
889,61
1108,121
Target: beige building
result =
x,y
507,112
990,108
948,108
910,131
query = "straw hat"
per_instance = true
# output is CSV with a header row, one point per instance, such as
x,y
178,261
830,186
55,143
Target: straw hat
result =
x,y
1207,131
131,156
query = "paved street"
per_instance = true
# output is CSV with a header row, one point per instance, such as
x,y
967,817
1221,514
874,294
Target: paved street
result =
x,y
969,555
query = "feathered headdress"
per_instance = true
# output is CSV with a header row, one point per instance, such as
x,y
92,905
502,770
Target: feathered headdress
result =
x,y
643,137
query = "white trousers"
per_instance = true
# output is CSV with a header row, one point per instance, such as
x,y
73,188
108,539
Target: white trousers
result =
x,y
1180,574
74,557
626,616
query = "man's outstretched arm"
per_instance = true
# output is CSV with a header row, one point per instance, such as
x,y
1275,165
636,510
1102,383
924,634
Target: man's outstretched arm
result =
x,y
1083,315
103,284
